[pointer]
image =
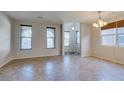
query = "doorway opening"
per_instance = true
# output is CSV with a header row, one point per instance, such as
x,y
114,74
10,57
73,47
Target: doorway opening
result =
x,y
71,38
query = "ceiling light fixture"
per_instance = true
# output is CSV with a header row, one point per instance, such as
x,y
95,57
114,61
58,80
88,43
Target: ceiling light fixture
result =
x,y
99,22
73,28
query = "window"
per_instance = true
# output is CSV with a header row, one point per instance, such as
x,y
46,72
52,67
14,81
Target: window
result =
x,y
113,34
26,37
120,35
77,37
108,37
66,38
51,37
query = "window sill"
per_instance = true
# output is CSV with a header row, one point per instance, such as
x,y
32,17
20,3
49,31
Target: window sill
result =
x,y
106,46
51,48
25,49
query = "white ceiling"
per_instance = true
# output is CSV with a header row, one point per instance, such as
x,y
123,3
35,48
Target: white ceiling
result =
x,y
65,16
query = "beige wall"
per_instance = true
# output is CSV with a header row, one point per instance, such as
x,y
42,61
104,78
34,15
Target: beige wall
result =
x,y
115,54
5,40
39,40
85,39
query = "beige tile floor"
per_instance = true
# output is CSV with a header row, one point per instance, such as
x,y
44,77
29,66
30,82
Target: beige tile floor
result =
x,y
61,68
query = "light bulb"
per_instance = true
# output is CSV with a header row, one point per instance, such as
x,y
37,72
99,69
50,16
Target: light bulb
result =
x,y
105,23
95,25
73,28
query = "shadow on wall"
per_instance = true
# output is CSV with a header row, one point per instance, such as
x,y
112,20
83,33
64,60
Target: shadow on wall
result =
x,y
5,39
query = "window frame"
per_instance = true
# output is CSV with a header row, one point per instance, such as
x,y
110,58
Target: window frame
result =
x,y
24,37
69,38
51,37
77,37
101,36
117,35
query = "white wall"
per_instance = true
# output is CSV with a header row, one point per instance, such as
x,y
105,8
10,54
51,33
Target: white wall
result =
x,y
115,54
5,40
85,39
39,40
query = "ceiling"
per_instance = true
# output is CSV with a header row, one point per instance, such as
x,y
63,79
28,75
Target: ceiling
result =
x,y
65,16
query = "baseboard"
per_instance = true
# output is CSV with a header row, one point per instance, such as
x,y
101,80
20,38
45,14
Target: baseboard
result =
x,y
109,59
35,57
4,63
104,58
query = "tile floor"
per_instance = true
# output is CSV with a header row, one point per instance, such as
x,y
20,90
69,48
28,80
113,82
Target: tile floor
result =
x,y
61,68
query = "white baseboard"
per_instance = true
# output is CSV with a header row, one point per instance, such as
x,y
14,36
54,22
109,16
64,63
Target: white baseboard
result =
x,y
11,59
109,59
4,63
105,58
34,57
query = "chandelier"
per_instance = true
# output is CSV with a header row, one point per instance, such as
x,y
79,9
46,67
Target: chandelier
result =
x,y
99,22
